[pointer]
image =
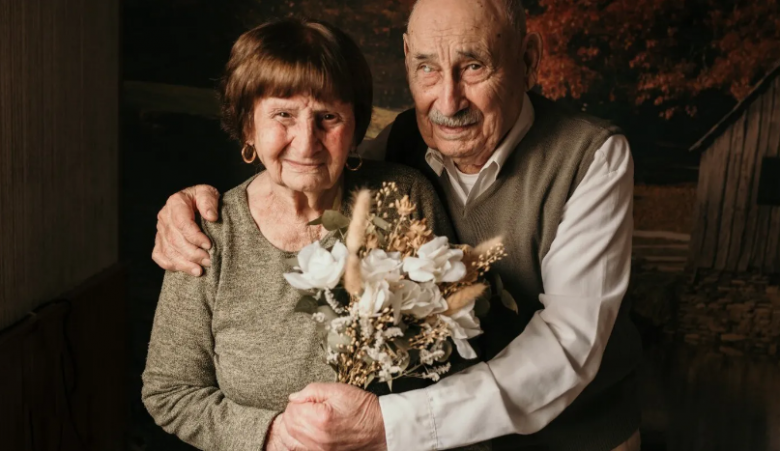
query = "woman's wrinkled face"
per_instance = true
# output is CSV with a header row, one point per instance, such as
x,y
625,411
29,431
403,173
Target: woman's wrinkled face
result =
x,y
303,142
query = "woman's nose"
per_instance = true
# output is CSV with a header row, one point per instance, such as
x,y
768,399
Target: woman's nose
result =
x,y
306,140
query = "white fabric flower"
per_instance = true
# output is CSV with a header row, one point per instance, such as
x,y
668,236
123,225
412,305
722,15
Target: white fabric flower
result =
x,y
463,325
376,296
436,262
379,265
320,268
418,299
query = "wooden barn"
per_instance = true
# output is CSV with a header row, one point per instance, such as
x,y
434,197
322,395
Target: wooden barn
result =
x,y
737,226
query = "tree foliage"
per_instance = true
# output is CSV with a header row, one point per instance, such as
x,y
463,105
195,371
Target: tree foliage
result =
x,y
665,53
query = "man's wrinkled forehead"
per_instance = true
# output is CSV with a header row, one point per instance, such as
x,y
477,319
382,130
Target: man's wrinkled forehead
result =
x,y
472,25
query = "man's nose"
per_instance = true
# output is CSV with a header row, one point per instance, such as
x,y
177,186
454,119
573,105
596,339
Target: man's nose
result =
x,y
452,98
306,141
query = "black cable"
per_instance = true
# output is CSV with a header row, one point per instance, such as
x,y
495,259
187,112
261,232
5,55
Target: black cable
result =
x,y
69,391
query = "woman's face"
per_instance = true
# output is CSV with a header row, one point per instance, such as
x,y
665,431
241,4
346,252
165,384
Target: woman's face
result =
x,y
303,142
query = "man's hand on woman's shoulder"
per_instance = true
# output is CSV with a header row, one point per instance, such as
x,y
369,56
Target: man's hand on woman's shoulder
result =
x,y
180,245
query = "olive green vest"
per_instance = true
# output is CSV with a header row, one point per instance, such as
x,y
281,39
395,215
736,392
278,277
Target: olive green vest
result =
x,y
525,206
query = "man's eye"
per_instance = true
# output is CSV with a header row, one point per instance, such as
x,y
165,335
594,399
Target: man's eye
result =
x,y
328,117
426,68
283,114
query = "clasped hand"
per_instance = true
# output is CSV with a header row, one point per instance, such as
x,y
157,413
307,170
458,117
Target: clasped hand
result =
x,y
329,417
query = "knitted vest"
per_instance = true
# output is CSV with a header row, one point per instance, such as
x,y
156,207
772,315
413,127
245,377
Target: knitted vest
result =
x,y
525,206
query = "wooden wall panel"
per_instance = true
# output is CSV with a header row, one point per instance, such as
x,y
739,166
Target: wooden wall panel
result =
x,y
770,126
700,211
772,256
59,88
747,190
716,168
730,191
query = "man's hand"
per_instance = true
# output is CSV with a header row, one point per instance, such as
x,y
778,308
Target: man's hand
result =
x,y
278,439
180,245
328,417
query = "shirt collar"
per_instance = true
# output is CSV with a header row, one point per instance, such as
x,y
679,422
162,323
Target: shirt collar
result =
x,y
525,120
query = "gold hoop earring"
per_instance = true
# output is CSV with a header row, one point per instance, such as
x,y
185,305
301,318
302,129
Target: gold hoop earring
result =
x,y
360,163
248,159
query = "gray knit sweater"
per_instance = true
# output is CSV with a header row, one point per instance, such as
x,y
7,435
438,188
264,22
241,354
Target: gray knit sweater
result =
x,y
227,348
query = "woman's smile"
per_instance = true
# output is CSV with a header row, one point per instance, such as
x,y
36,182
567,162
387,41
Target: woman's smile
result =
x,y
303,166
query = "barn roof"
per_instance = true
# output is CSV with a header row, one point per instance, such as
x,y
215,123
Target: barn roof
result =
x,y
729,119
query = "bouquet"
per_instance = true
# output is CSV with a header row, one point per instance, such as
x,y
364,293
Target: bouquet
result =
x,y
390,299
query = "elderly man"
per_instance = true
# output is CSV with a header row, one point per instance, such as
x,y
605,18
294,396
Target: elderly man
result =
x,y
558,184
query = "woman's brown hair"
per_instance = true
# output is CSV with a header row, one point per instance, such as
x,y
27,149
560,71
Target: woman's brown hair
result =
x,y
291,57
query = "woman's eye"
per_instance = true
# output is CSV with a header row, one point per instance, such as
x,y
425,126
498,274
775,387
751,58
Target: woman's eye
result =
x,y
328,117
283,115
474,66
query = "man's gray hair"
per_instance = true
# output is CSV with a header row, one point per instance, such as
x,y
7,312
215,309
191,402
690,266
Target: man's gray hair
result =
x,y
515,13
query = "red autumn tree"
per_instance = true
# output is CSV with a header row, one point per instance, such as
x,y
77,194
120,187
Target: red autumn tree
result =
x,y
664,52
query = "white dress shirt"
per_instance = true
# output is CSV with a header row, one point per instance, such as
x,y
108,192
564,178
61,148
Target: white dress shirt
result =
x,y
585,275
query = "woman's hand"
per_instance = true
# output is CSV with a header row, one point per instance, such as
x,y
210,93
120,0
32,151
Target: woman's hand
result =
x,y
180,245
278,439
335,417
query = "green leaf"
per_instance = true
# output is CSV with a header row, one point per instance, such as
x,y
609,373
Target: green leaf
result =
x,y
326,310
381,237
369,379
381,223
499,284
482,304
334,340
314,222
401,344
447,348
509,301
390,384
307,304
333,220
291,262
404,363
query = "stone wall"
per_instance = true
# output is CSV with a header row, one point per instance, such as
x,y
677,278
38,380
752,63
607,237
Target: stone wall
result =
x,y
735,313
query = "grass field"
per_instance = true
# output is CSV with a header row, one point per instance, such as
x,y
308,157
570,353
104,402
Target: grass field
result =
x,y
664,207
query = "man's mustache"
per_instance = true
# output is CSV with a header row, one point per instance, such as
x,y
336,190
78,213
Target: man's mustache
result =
x,y
462,118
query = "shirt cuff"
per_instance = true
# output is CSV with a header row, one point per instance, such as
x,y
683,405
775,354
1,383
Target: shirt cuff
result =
x,y
409,423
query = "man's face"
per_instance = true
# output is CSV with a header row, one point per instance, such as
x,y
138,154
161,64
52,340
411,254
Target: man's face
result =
x,y
466,74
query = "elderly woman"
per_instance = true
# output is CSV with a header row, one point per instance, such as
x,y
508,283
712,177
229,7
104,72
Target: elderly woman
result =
x,y
227,348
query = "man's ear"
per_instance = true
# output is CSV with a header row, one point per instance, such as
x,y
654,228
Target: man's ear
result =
x,y
406,52
532,56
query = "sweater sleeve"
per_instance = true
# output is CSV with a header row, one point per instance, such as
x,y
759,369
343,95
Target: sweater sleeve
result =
x,y
180,388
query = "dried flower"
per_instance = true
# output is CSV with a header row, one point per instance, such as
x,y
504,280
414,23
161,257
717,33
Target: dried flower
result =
x,y
376,296
463,297
397,274
436,261
372,242
320,268
417,299
405,206
380,265
463,325
418,233
356,233
353,281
